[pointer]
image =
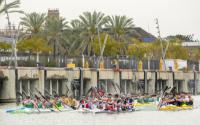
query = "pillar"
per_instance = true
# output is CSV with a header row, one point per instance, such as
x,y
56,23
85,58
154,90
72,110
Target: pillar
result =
x,y
145,82
50,87
64,87
29,88
20,86
8,93
57,86
81,82
198,82
152,83
42,79
117,80
125,86
170,80
184,85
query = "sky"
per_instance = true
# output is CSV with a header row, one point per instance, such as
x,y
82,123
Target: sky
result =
x,y
175,16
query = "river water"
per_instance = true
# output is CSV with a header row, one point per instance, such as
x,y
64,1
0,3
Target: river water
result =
x,y
190,117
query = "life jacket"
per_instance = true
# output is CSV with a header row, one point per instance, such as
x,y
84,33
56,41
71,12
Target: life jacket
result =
x,y
39,104
87,106
29,105
59,103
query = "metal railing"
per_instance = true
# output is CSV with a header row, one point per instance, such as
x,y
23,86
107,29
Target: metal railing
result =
x,y
30,60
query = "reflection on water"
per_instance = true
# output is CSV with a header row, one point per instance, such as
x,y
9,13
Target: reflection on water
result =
x,y
74,118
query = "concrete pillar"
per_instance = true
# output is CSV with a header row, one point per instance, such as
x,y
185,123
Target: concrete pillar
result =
x,y
106,81
28,86
125,86
117,81
198,82
50,87
91,81
34,84
8,93
184,85
42,78
170,80
94,78
145,82
152,83
64,87
81,82
20,86
57,86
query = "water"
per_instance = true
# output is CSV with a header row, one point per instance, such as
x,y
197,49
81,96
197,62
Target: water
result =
x,y
191,117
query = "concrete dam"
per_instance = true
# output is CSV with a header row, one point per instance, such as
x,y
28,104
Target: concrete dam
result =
x,y
77,81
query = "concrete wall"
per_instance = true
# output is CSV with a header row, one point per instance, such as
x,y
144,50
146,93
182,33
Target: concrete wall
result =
x,y
8,87
90,79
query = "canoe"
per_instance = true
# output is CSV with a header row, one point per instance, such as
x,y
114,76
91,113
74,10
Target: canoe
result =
x,y
33,110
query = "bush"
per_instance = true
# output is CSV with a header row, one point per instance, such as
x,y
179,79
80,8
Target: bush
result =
x,y
50,64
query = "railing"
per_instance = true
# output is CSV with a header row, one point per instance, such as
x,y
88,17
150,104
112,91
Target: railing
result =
x,y
30,60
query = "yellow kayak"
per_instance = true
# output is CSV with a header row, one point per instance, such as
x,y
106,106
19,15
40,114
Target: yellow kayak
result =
x,y
144,104
175,108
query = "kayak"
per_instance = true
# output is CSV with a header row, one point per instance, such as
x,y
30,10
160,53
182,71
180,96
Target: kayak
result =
x,y
33,110
151,106
175,108
99,111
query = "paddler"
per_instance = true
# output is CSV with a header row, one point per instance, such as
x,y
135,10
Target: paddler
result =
x,y
38,102
48,103
119,105
190,103
72,102
82,102
57,101
28,103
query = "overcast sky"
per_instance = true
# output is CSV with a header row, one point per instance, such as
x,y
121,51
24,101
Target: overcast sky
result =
x,y
175,16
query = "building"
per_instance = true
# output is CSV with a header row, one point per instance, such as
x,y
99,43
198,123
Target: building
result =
x,y
142,35
191,44
53,13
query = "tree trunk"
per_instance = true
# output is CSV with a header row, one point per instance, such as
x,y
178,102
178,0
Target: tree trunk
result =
x,y
54,49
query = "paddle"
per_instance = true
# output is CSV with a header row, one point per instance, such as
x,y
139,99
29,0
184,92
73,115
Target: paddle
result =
x,y
18,93
48,92
113,84
24,93
18,98
47,100
31,94
36,106
173,91
162,96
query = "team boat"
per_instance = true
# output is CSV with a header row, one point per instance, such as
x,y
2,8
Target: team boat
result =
x,y
34,110
45,105
106,104
170,102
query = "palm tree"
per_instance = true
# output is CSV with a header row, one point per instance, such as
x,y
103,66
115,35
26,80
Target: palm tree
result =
x,y
119,26
92,22
9,7
73,38
33,23
54,30
76,25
